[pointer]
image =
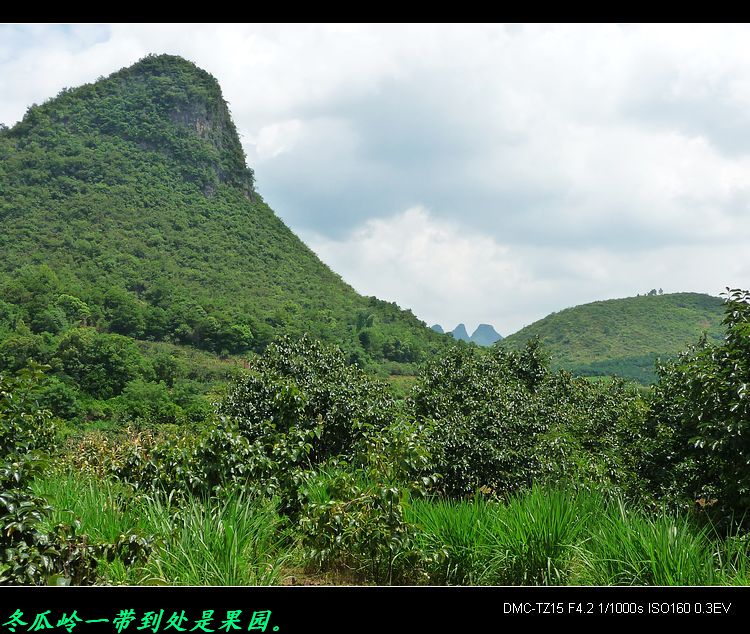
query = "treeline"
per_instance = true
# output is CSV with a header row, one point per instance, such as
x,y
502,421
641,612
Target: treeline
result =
x,y
641,368
111,351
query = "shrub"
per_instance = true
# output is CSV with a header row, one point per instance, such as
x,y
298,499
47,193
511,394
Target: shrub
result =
x,y
500,421
305,385
300,405
101,364
29,554
354,514
701,420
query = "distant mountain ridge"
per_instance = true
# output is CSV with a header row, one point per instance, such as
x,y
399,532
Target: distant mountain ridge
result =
x,y
624,336
484,335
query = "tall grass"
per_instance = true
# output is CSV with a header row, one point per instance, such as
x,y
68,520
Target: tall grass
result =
x,y
557,536
629,547
733,559
528,541
532,540
453,535
541,536
105,509
235,541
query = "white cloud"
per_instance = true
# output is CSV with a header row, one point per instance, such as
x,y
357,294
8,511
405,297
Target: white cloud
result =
x,y
276,138
449,275
418,261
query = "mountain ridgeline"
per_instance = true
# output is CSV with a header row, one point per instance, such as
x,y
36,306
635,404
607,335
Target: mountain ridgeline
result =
x,y
624,337
484,335
127,209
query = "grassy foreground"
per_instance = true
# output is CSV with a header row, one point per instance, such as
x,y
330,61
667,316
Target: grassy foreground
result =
x,y
234,541
544,536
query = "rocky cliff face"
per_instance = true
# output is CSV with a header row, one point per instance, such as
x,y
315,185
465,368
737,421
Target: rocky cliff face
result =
x,y
163,104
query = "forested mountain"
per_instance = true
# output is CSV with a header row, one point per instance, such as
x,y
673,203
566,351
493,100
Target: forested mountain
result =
x,y
624,336
127,209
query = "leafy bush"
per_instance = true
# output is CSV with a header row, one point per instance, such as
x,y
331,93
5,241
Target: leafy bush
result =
x,y
360,525
200,460
29,554
701,420
300,405
596,435
306,385
499,420
24,427
101,364
483,422
147,403
354,514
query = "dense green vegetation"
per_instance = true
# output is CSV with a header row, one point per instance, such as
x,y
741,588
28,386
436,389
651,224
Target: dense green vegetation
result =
x,y
542,536
624,337
701,414
235,541
31,552
128,218
308,463
555,536
501,420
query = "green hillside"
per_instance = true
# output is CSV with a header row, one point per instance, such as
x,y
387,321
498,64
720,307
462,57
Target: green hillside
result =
x,y
624,336
127,209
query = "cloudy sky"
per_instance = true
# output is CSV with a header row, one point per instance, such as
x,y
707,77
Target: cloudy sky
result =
x,y
490,173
